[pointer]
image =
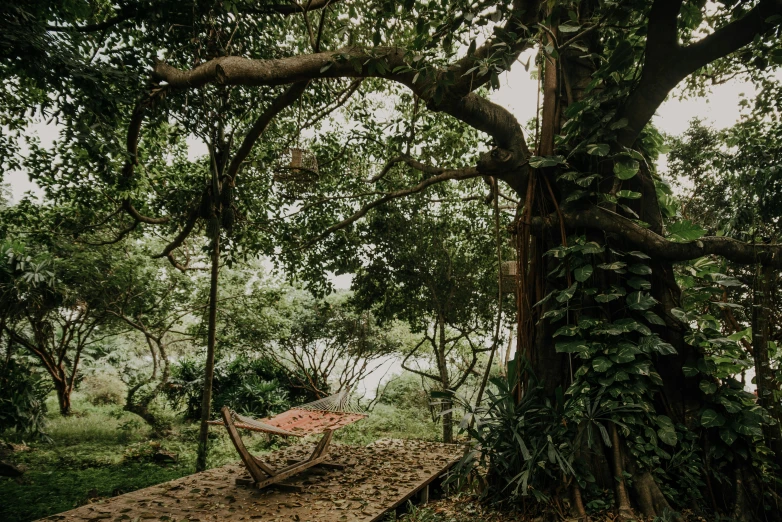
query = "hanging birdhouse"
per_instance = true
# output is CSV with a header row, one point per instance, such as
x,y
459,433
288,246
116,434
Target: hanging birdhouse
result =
x,y
508,273
296,166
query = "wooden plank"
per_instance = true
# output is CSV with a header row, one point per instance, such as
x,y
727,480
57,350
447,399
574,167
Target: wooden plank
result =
x,y
423,496
323,445
419,487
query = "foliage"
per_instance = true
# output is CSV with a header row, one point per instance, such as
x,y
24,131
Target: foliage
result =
x,y
321,345
392,97
22,403
254,387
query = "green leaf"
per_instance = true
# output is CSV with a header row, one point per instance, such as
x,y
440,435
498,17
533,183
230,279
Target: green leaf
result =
x,y
653,318
554,315
567,295
685,231
640,269
568,28
587,180
639,283
607,298
598,149
539,162
680,314
711,419
616,265
583,273
689,370
572,347
628,194
593,248
640,301
568,330
707,387
666,432
625,168
728,435
601,364
625,354
619,124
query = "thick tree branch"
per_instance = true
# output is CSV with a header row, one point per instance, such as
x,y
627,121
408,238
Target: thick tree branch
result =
x,y
190,222
663,249
472,109
348,62
667,63
135,214
282,101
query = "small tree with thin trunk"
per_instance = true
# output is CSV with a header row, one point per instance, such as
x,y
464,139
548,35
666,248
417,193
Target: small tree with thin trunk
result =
x,y
427,269
53,307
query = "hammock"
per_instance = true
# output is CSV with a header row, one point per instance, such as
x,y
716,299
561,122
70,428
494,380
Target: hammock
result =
x,y
330,413
321,416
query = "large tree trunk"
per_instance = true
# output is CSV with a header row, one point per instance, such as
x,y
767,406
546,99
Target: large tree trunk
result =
x,y
563,83
206,404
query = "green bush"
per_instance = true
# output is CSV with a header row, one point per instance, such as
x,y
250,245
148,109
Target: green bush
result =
x,y
406,392
102,389
255,387
22,403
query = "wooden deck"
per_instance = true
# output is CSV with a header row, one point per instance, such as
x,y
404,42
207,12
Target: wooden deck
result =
x,y
376,479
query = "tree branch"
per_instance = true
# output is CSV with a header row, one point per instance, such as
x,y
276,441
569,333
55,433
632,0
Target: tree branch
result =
x,y
282,101
445,175
667,63
663,249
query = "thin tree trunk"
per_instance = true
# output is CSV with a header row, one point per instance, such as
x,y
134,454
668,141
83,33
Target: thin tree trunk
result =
x,y
442,364
63,396
206,404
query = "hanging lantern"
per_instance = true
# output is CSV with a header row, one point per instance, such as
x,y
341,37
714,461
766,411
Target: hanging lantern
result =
x,y
296,166
508,273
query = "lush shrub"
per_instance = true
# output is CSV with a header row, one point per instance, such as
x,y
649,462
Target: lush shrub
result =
x,y
406,391
22,402
102,389
255,387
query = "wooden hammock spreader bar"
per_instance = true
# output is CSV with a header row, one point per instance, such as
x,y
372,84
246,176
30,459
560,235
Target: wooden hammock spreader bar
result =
x,y
296,422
